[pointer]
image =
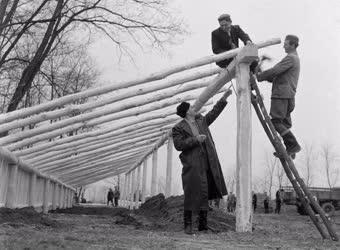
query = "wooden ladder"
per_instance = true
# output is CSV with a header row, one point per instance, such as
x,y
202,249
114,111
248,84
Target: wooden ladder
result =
x,y
299,185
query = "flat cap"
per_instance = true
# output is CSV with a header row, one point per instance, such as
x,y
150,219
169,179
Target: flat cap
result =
x,y
182,109
224,17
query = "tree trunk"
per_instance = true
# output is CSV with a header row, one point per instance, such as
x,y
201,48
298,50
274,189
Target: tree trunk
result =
x,y
33,68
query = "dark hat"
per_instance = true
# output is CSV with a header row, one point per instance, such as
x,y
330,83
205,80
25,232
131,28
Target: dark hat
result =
x,y
182,109
293,39
224,17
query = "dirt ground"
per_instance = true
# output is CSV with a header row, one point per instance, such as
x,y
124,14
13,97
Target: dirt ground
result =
x,y
156,225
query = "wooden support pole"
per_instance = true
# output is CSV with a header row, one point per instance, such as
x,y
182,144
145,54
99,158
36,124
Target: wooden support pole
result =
x,y
145,170
133,188
169,168
31,191
121,190
60,196
108,171
12,185
243,157
154,173
138,185
125,193
46,195
71,197
67,198
54,196
104,149
93,135
164,98
11,116
129,191
98,117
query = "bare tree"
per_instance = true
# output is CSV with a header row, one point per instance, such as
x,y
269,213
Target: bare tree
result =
x,y
270,164
309,157
231,180
329,157
47,23
280,173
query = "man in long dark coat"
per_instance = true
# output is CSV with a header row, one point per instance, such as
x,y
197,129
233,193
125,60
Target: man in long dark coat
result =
x,y
226,38
202,176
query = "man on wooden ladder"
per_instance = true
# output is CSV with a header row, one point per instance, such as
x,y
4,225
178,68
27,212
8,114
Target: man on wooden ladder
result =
x,y
284,77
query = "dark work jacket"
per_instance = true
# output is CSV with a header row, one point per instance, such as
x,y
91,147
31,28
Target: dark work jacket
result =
x,y
198,157
284,76
110,195
222,42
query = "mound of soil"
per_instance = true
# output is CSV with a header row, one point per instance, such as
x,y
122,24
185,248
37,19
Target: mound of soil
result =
x,y
27,215
93,211
167,214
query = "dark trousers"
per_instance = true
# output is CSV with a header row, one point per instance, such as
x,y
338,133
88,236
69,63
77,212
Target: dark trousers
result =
x,y
280,110
116,202
266,208
254,206
278,207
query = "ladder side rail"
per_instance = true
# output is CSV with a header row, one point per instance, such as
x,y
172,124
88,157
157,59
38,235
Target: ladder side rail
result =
x,y
291,165
290,175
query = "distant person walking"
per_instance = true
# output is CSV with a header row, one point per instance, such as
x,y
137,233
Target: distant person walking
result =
x,y
278,201
116,196
202,176
266,203
254,202
284,76
110,197
226,38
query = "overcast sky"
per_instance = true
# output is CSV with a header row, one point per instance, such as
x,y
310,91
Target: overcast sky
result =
x,y
316,118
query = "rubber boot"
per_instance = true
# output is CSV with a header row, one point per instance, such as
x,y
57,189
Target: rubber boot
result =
x,y
188,221
203,220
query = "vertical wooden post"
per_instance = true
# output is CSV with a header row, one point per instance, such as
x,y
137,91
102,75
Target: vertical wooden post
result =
x,y
67,198
60,197
145,171
54,196
32,188
154,173
46,195
133,188
12,185
63,197
138,185
121,190
243,158
130,191
169,168
124,191
69,195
